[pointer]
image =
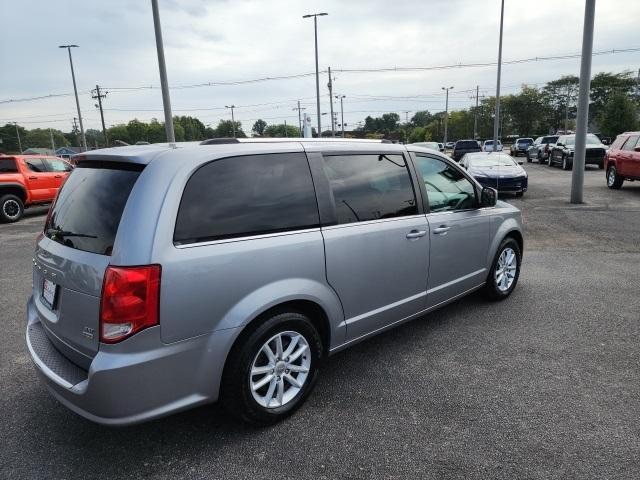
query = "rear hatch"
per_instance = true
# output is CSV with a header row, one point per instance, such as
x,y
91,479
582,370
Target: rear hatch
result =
x,y
72,256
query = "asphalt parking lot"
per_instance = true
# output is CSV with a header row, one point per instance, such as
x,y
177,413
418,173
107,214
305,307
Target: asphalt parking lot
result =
x,y
543,385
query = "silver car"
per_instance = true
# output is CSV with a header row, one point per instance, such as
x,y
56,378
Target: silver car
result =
x,y
171,276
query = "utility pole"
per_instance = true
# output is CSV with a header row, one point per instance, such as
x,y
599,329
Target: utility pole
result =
x,y
75,90
164,83
53,144
285,129
233,119
315,30
299,109
446,113
96,94
496,121
475,113
577,175
566,110
75,129
330,85
341,97
18,135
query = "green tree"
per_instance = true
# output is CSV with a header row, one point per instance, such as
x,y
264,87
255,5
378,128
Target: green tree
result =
x,y
259,126
225,129
418,134
193,128
560,97
282,130
156,132
137,131
620,114
421,118
604,86
118,132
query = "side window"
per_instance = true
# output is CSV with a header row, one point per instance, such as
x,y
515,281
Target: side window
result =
x,y
447,188
631,143
35,165
618,143
248,195
8,165
370,187
57,165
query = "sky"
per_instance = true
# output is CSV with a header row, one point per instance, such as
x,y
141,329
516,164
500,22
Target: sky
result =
x,y
210,41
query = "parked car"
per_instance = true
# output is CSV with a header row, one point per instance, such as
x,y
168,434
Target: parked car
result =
x,y
441,147
169,277
520,146
450,145
462,147
487,146
563,151
540,148
430,145
28,180
497,170
623,159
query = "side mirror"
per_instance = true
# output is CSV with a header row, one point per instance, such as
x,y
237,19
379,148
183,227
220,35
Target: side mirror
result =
x,y
637,149
520,162
488,197
559,144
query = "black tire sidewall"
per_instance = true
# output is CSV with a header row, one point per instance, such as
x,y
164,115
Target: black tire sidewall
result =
x,y
236,395
3,217
491,288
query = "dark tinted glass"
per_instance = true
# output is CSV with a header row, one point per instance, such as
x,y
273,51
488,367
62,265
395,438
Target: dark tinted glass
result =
x,y
369,187
8,165
525,141
631,143
35,164
467,144
247,195
447,188
551,139
87,211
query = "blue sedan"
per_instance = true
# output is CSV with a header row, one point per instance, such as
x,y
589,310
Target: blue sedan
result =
x,y
496,170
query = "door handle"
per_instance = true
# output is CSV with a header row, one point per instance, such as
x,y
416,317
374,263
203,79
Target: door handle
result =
x,y
33,178
416,234
441,230
58,176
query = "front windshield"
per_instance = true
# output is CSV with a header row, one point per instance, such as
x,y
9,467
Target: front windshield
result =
x,y
492,161
591,140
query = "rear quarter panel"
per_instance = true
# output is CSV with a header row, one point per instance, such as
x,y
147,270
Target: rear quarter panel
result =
x,y
505,219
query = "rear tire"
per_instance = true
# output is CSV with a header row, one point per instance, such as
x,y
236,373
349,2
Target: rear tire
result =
x,y
266,405
505,270
614,181
11,208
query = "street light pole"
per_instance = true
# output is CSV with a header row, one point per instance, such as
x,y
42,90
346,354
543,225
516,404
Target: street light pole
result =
x,y
53,144
577,176
315,29
341,97
496,121
446,113
164,83
333,121
75,90
299,109
233,119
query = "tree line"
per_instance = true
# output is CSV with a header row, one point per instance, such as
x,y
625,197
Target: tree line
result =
x,y
614,108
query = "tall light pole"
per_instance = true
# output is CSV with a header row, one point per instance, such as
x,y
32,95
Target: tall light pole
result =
x,y
164,84
75,90
496,121
299,109
315,29
341,98
577,176
446,113
233,119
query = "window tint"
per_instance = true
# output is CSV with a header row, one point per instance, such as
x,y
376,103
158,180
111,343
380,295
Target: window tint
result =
x,y
552,139
447,188
631,143
35,164
248,195
57,165
370,187
8,165
87,212
466,144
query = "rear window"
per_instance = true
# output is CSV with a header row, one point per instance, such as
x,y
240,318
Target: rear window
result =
x,y
245,196
87,212
8,165
467,144
525,141
552,139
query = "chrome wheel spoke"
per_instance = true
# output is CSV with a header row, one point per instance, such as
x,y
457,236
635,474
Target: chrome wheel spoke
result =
x,y
266,349
291,347
293,357
261,383
280,391
262,370
298,368
269,394
506,268
292,381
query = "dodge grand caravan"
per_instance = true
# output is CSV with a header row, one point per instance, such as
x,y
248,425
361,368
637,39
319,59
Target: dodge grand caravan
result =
x,y
170,276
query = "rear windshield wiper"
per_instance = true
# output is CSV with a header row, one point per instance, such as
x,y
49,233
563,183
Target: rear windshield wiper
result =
x,y
56,232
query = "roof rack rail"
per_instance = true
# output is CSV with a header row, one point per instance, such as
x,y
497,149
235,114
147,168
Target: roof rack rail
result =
x,y
219,141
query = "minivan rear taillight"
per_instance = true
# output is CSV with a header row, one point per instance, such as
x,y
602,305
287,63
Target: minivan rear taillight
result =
x,y
130,301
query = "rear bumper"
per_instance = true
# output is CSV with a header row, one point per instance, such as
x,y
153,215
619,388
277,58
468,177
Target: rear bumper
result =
x,y
133,381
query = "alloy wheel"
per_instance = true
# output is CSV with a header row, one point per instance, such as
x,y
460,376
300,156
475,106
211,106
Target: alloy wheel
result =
x,y
280,369
611,177
506,269
11,209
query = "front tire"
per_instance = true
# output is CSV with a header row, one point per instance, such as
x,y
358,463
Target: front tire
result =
x,y
614,181
11,208
272,370
565,163
505,270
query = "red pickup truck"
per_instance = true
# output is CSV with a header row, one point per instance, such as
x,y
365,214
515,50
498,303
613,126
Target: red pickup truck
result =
x,y
27,180
623,159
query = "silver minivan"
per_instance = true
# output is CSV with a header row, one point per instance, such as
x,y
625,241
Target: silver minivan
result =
x,y
170,276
